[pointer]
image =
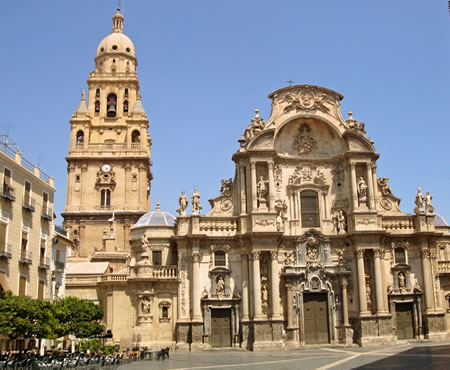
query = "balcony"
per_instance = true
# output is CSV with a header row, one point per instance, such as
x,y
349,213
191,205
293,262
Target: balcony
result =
x,y
59,266
5,250
8,193
154,272
47,213
44,263
26,257
29,204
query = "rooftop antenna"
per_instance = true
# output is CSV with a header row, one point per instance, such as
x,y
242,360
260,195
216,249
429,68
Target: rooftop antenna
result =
x,y
290,81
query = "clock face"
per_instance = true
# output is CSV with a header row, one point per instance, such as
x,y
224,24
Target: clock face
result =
x,y
106,168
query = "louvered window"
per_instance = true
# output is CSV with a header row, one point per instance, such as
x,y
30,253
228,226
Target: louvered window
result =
x,y
309,205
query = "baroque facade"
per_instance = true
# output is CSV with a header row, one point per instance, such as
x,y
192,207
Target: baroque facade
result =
x,y
305,245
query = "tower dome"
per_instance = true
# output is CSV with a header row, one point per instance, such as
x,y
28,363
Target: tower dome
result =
x,y
156,218
116,41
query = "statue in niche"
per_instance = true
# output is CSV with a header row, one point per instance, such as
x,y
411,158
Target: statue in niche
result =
x,y
196,207
311,249
145,305
261,188
339,222
183,203
362,191
205,293
280,222
264,291
220,286
429,209
419,202
402,282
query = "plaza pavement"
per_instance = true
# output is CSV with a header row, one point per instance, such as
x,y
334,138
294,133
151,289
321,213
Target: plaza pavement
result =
x,y
399,356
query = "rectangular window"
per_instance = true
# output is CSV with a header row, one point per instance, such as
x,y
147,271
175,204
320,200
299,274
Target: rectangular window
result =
x,y
157,258
7,176
27,194
309,205
41,289
220,258
57,256
24,241
105,197
3,237
165,312
22,286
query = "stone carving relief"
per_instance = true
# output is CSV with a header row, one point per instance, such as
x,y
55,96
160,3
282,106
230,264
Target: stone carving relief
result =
x,y
263,222
105,178
145,305
304,143
277,176
306,100
220,286
354,125
386,204
256,125
383,184
225,189
338,173
313,251
307,174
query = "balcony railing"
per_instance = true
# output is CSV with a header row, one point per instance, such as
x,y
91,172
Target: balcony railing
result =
x,y
5,250
155,272
8,192
26,257
29,203
47,213
44,263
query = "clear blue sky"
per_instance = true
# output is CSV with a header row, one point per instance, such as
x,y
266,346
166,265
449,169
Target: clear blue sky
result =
x,y
205,65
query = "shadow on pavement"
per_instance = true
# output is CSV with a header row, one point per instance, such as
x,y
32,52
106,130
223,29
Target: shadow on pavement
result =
x,y
433,357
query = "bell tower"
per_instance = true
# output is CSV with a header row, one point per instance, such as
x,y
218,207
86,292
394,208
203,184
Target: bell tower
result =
x,y
108,166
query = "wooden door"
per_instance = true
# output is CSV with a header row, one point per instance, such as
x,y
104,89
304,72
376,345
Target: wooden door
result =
x,y
316,318
405,320
221,327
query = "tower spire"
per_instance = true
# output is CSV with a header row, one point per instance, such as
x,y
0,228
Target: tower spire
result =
x,y
118,21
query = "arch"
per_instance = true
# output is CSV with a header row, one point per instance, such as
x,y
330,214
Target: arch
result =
x,y
97,106
135,136
111,105
125,106
80,137
97,93
126,91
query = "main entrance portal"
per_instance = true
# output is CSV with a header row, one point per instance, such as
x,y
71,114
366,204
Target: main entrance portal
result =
x,y
316,318
405,320
221,327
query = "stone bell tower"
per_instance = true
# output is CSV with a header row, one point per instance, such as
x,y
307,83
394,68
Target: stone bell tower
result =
x,y
108,166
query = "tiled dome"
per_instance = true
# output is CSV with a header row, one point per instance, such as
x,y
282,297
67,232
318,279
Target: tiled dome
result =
x,y
156,218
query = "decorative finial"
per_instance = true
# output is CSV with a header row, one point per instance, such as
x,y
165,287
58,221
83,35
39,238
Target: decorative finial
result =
x,y
158,205
138,95
350,115
256,112
83,95
118,21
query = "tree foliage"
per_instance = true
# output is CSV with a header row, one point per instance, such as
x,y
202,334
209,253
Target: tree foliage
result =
x,y
34,318
78,317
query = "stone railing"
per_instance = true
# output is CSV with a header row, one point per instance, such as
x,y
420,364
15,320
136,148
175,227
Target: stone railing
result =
x,y
82,280
114,277
444,267
398,223
211,225
154,272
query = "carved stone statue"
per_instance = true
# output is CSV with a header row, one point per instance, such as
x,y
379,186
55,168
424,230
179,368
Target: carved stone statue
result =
x,y
339,222
261,188
204,293
220,287
196,207
264,292
225,189
419,202
429,209
145,305
368,295
362,191
280,222
183,202
402,281
385,188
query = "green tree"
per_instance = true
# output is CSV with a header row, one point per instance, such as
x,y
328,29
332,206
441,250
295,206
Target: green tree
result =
x,y
78,317
26,317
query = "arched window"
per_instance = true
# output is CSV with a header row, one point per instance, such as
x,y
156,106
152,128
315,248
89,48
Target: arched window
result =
x,y
400,255
219,258
97,106
126,93
80,137
125,106
111,105
309,205
135,136
97,93
105,198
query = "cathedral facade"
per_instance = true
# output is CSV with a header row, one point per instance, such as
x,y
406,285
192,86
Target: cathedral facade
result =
x,y
305,245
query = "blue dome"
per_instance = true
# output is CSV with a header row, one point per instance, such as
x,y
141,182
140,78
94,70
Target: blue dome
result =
x,y
156,218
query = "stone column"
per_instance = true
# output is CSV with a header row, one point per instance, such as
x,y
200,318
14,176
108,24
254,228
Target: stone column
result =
x,y
242,186
248,190
245,290
289,306
361,282
354,188
253,175
257,286
196,309
378,281
271,188
275,285
375,184
370,186
344,284
427,280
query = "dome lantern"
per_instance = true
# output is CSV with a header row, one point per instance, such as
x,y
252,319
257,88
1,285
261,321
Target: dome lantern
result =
x,y
118,21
